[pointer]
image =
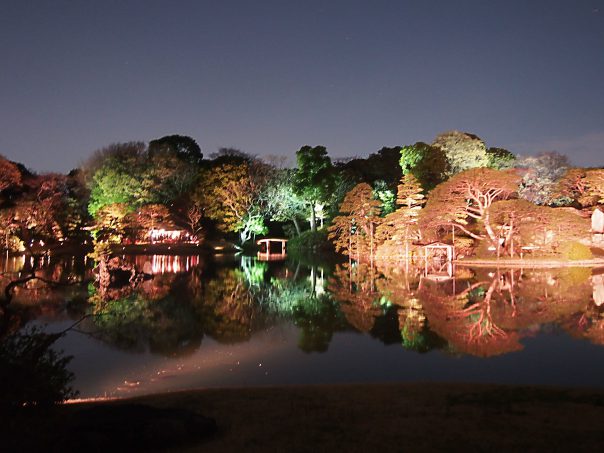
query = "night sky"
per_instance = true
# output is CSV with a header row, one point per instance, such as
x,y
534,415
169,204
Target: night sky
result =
x,y
270,76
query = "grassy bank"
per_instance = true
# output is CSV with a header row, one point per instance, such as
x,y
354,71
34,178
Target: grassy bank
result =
x,y
372,417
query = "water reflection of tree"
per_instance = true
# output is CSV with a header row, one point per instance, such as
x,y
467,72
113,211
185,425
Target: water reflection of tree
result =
x,y
465,318
381,302
41,288
33,374
489,316
228,307
544,297
152,316
354,286
313,312
398,286
167,326
589,323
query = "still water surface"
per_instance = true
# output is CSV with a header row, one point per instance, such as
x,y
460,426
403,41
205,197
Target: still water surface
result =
x,y
238,321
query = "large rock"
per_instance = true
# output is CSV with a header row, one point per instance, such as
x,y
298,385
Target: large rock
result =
x,y
597,221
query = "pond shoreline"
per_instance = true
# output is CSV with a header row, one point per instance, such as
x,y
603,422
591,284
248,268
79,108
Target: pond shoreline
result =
x,y
531,263
387,416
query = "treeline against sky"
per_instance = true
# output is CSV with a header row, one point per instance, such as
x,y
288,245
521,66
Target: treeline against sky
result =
x,y
126,189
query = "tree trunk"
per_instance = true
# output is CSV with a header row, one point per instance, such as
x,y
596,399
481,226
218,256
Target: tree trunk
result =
x,y
297,225
313,218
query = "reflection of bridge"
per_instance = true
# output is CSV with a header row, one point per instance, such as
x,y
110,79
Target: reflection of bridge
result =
x,y
265,253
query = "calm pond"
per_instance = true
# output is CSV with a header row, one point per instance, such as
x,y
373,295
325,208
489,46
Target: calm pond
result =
x,y
237,321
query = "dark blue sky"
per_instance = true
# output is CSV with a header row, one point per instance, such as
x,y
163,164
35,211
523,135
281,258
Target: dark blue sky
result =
x,y
270,76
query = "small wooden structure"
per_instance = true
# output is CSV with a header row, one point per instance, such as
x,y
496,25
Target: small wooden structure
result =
x,y
265,253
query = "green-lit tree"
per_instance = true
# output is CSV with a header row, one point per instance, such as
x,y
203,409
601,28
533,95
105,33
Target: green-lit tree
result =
x,y
115,176
463,151
282,203
500,158
314,179
427,163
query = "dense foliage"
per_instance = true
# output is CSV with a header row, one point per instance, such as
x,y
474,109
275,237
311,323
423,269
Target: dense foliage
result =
x,y
418,193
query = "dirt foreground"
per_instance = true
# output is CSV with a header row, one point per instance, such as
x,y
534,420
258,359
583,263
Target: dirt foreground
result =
x,y
387,417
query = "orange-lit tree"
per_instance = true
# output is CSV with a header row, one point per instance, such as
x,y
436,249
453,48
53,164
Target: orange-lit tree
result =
x,y
397,229
547,230
463,203
10,176
353,232
231,196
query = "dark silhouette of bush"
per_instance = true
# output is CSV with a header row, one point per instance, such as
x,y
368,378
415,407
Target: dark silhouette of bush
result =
x,y
31,372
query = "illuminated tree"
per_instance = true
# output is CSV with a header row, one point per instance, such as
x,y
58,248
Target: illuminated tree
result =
x,y
500,159
314,178
194,217
231,195
113,223
463,151
10,176
44,212
550,230
166,177
353,232
396,228
464,200
594,179
150,216
282,203
117,177
382,192
582,185
427,163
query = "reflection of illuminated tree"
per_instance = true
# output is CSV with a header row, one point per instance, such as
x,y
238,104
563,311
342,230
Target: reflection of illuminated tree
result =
x,y
588,322
465,319
253,270
543,297
316,315
490,316
354,286
228,306
317,320
398,287
167,326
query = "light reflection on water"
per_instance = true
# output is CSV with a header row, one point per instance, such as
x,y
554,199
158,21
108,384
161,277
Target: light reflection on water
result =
x,y
166,264
198,323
